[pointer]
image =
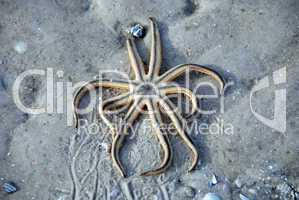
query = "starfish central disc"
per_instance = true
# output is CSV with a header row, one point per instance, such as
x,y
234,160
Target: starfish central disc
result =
x,y
147,89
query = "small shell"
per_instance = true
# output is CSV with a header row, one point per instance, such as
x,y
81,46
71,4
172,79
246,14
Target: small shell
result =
x,y
213,181
9,187
137,31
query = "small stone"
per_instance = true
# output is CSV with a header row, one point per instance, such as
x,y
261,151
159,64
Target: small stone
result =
x,y
9,187
20,47
104,147
213,180
137,31
211,196
188,52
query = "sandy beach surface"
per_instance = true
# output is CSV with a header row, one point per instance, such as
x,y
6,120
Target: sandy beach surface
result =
x,y
245,153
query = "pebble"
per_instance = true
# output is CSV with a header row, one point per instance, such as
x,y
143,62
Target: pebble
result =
x,y
20,47
9,187
213,181
211,196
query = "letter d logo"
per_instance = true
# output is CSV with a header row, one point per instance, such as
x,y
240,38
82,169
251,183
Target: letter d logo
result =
x,y
279,121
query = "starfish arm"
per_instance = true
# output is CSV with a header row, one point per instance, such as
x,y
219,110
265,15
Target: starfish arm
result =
x,y
155,117
135,60
180,90
123,99
93,85
132,114
115,102
180,69
177,122
156,51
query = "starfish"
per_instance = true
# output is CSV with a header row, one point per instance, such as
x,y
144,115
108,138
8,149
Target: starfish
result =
x,y
148,90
